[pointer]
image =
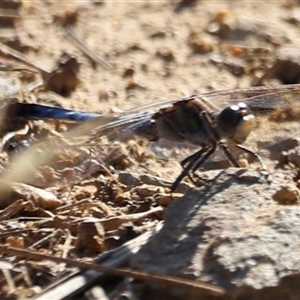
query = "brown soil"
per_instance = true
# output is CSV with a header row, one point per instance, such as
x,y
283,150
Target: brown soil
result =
x,y
156,51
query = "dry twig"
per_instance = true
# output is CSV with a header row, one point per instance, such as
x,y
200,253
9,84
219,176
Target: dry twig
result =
x,y
148,277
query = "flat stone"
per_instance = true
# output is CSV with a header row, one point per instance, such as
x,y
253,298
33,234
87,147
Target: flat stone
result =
x,y
234,234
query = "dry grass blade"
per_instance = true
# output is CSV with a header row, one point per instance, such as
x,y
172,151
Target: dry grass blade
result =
x,y
75,283
115,222
19,56
148,277
6,267
96,59
12,209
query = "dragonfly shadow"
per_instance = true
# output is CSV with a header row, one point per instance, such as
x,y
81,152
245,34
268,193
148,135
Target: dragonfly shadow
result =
x,y
190,221
202,196
222,181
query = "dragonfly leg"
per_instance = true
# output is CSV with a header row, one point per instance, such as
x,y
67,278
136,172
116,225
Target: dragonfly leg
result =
x,y
202,159
229,155
214,134
193,157
199,163
187,165
255,155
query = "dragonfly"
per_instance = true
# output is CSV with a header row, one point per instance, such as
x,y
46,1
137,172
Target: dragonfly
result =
x,y
258,116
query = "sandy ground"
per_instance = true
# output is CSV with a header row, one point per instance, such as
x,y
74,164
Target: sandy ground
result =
x,y
155,50
153,40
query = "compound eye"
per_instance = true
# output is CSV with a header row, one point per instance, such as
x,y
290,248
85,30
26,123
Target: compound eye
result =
x,y
244,128
243,105
235,122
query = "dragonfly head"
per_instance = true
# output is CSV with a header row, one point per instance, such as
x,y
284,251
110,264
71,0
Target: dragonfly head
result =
x,y
235,122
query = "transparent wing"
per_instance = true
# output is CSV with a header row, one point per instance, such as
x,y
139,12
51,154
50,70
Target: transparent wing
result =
x,y
265,102
276,110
